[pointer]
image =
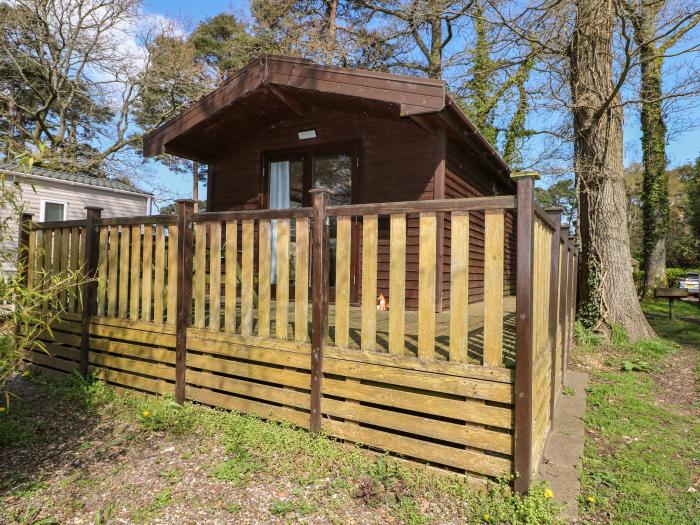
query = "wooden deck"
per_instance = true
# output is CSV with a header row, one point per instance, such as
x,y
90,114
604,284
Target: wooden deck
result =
x,y
442,329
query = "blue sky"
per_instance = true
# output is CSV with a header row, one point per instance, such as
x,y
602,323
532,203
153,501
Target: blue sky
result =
x,y
684,146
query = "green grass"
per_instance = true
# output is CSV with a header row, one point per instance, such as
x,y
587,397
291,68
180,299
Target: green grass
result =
x,y
641,455
262,448
684,332
149,512
282,508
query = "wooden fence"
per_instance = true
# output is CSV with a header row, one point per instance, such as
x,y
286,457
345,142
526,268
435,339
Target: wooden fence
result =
x,y
254,311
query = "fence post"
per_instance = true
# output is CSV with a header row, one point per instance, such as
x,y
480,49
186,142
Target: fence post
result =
x,y
319,301
183,293
564,299
522,460
555,213
25,226
571,296
90,286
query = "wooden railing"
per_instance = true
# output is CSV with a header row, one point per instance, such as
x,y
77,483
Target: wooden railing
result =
x,y
238,309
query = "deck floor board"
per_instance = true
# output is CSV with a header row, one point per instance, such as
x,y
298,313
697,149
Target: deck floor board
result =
x,y
442,329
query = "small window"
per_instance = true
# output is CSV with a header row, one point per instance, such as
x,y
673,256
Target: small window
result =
x,y
54,211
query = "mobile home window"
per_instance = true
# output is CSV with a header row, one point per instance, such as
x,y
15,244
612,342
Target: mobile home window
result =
x,y
54,211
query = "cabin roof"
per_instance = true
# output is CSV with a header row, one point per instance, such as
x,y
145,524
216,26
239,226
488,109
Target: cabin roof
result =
x,y
273,88
81,179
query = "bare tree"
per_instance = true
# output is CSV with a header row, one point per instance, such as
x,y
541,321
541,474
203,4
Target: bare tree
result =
x,y
608,291
589,60
646,17
429,24
74,73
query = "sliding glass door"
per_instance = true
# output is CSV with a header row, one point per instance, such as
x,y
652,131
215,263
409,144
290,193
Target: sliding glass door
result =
x,y
289,176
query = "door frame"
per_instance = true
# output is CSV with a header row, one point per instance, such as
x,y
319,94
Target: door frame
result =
x,y
306,153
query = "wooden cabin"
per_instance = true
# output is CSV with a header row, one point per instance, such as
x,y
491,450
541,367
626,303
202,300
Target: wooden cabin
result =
x,y
242,306
282,126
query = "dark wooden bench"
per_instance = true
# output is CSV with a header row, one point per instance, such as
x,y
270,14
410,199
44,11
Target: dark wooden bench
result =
x,y
672,294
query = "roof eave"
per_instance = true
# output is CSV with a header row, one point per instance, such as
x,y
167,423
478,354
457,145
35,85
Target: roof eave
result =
x,y
413,95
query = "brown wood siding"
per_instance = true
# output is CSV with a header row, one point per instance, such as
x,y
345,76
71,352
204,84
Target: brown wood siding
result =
x,y
463,179
397,162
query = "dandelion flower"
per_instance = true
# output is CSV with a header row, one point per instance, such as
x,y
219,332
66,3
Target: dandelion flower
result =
x,y
146,413
25,373
2,409
590,499
487,517
548,493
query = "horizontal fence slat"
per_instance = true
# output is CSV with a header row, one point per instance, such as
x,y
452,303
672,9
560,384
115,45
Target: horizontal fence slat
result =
x,y
444,205
419,449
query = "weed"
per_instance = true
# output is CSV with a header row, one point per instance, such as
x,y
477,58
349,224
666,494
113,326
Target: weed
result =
x,y
382,484
233,508
568,391
618,335
172,476
585,336
408,512
105,514
16,429
161,500
537,507
282,508
236,470
28,488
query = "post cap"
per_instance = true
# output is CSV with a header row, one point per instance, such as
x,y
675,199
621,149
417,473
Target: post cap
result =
x,y
320,190
94,208
184,201
554,209
525,175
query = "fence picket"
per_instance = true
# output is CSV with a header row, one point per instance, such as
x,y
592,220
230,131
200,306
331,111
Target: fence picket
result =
x,y
74,264
459,288
426,285
159,274
397,284
56,260
112,270
230,276
282,289
215,276
264,276
125,242
64,259
342,280
147,279
248,240
493,288
200,273
135,288
368,330
31,256
102,269
173,234
301,281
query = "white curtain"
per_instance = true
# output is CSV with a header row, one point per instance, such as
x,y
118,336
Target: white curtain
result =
x,y
279,199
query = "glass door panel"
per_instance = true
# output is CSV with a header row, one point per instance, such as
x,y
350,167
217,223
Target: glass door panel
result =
x,y
334,172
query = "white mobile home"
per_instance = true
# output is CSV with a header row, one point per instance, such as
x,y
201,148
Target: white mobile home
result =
x,y
55,196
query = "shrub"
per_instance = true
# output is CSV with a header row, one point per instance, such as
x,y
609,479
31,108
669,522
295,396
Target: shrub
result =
x,y
674,276
638,276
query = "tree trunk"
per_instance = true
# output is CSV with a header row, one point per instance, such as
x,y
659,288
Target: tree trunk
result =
x,y
655,206
435,58
331,30
608,294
